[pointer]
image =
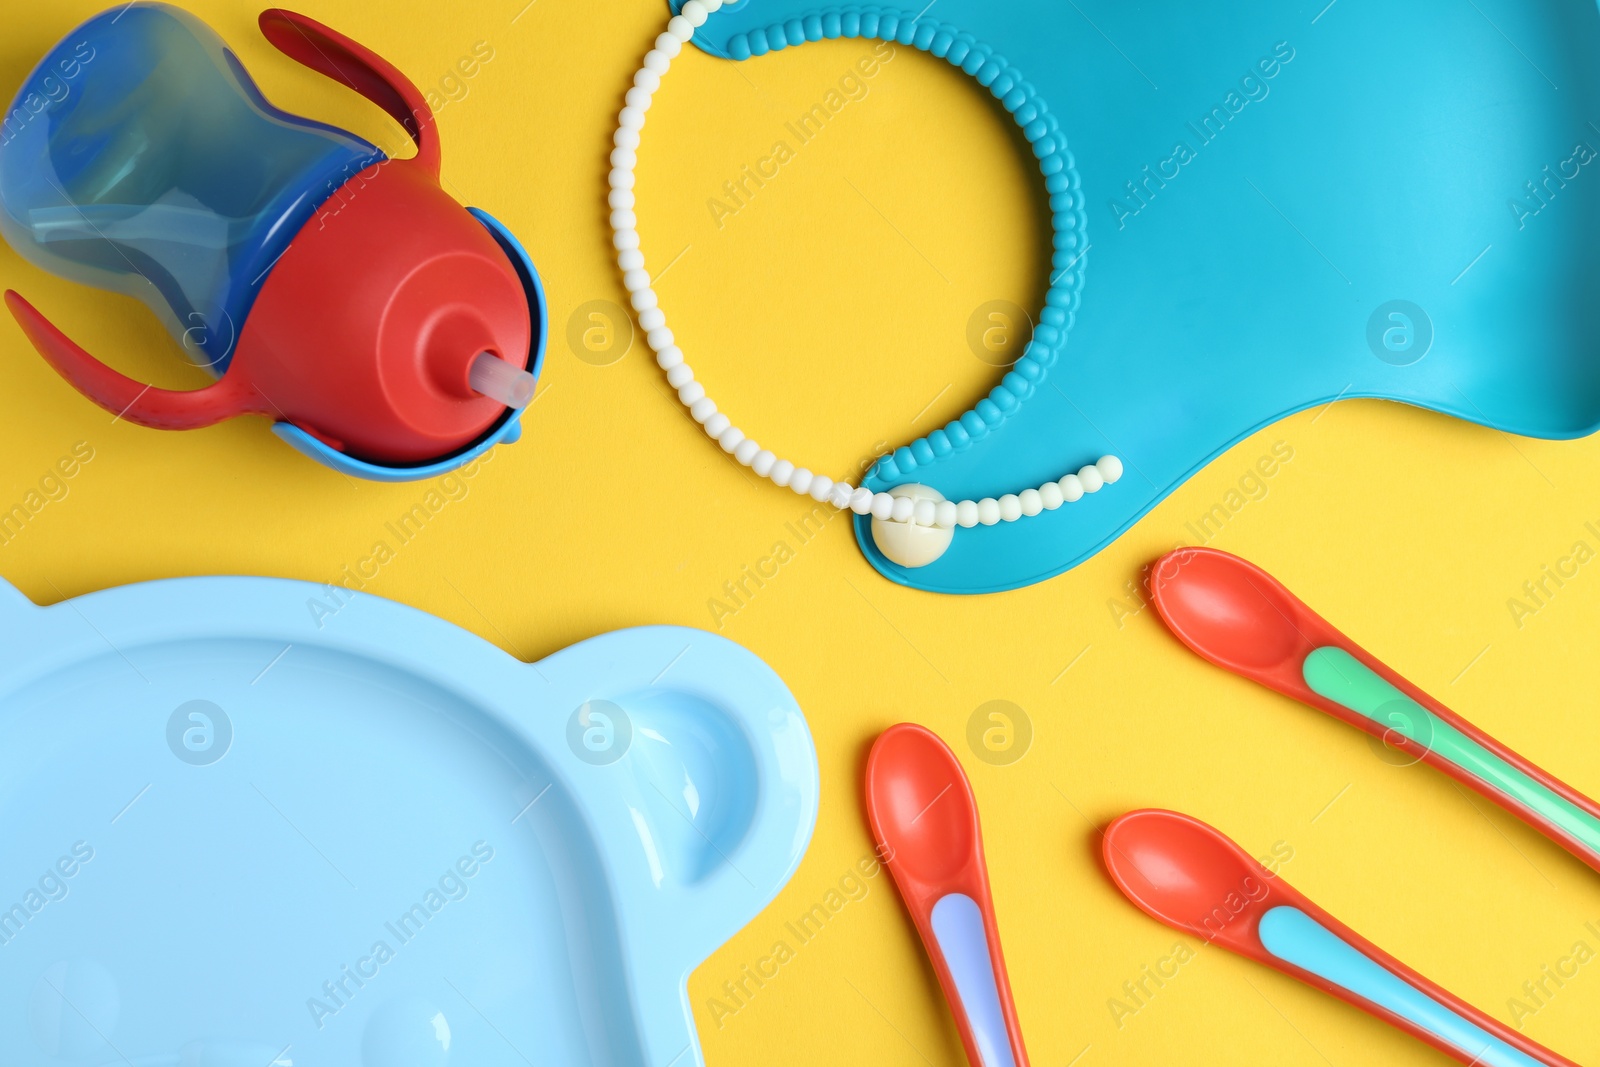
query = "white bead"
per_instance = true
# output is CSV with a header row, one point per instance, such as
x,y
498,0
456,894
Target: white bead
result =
x,y
624,158
703,409
800,480
652,319
625,239
861,501
988,511
923,513
841,494
731,438
882,506
763,462
1031,504
1071,488
624,219
657,62
620,178
621,198
711,6
631,258
640,98
643,298
717,424
626,137
680,28
1010,508
1090,477
904,508
746,451
648,80
944,514
967,514
1050,495
659,338
679,376
782,471
821,486
695,12
691,394
668,45
669,357
631,118
1110,468
636,279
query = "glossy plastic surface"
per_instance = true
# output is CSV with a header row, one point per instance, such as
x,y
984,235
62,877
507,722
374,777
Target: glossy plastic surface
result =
x,y
963,939
1193,878
365,323
925,820
1242,619
507,431
1295,937
153,166
1338,676
1263,190
255,822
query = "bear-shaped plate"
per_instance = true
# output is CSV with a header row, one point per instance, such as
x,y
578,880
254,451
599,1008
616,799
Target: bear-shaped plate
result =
x,y
255,822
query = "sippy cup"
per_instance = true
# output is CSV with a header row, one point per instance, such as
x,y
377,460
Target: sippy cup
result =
x,y
384,328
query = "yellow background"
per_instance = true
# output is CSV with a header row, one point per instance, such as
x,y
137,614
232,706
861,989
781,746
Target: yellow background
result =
x,y
829,314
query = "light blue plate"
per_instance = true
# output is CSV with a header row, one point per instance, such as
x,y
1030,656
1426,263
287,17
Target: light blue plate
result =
x,y
248,822
1262,207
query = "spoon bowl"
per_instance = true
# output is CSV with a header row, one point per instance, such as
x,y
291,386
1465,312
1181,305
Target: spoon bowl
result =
x,y
1228,610
921,804
1178,869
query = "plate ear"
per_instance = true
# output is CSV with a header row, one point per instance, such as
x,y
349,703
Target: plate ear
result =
x,y
697,769
697,772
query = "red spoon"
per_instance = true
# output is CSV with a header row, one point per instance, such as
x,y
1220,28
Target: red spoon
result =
x,y
1191,877
1241,618
925,819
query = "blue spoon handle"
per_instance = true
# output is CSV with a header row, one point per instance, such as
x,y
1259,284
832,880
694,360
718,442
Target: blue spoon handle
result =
x,y
1295,937
964,943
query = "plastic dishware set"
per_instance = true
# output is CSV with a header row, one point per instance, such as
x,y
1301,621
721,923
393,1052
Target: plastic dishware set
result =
x,y
589,828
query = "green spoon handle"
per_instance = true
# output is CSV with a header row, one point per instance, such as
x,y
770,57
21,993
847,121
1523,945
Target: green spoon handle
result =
x,y
1336,675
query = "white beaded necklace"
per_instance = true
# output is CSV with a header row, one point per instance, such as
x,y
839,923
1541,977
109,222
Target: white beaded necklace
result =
x,y
912,524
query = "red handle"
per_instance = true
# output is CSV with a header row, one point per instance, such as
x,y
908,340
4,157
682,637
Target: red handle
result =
x,y
161,409
336,56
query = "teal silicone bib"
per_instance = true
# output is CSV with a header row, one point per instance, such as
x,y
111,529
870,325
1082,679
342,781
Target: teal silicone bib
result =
x,y
1259,208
